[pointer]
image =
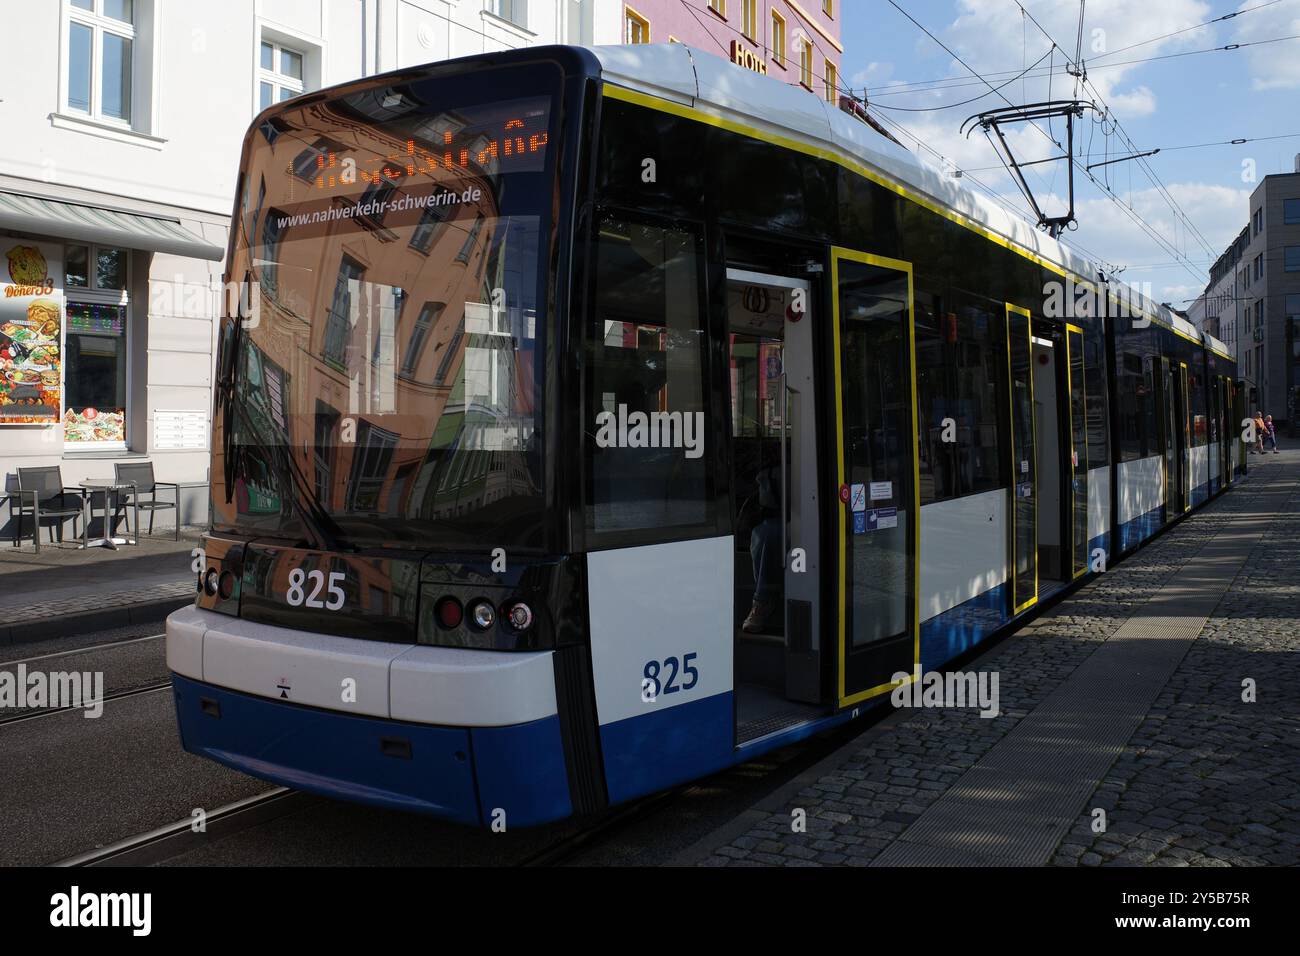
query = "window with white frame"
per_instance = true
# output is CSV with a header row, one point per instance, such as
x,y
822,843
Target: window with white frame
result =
x,y
279,73
100,77
516,11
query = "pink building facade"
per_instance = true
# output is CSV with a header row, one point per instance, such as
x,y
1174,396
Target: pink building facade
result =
x,y
795,41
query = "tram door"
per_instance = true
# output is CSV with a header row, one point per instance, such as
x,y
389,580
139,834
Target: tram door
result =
x,y
774,463
877,518
1077,388
1184,427
1173,435
1024,460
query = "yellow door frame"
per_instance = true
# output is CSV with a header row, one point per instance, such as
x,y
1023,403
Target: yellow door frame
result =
x,y
1186,425
898,265
1069,398
1016,606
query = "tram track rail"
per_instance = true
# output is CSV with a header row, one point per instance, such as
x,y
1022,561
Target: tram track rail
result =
x,y
86,649
36,714
173,839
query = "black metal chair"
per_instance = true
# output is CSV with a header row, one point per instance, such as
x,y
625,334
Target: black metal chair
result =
x,y
42,494
145,484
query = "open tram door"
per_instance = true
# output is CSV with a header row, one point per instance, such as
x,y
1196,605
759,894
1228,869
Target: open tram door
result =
x,y
1025,464
771,358
876,521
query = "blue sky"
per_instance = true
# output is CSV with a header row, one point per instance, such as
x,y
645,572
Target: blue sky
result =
x,y
1250,92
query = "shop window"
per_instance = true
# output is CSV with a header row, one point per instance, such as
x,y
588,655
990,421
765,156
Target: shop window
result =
x,y
95,375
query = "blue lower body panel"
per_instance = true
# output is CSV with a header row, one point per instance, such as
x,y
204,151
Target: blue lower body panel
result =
x,y
1200,494
666,747
1136,530
464,774
960,628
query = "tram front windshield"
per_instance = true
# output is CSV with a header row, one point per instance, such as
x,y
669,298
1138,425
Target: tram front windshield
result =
x,y
387,376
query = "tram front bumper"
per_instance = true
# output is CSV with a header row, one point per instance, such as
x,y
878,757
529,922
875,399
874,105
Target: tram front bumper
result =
x,y
467,770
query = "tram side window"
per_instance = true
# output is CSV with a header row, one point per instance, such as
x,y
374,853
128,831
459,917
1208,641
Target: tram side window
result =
x,y
1137,408
1197,399
647,427
1097,402
960,368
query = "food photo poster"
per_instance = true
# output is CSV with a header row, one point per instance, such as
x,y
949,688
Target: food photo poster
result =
x,y
31,311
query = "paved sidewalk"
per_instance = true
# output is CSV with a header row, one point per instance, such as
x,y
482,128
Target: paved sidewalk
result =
x,y
63,590
1121,706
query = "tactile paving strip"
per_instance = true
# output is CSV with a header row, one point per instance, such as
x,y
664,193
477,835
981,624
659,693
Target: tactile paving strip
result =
x,y
1014,806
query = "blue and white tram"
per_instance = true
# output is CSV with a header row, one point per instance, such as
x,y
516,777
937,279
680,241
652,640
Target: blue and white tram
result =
x,y
598,419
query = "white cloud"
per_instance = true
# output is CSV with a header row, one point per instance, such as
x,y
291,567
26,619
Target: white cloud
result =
x,y
875,74
1139,101
1273,66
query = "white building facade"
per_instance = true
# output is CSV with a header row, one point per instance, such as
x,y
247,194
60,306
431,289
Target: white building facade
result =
x,y
123,122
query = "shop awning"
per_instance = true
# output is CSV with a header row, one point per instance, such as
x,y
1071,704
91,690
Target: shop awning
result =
x,y
65,220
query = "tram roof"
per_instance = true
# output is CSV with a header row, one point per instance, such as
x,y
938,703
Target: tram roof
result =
x,y
719,88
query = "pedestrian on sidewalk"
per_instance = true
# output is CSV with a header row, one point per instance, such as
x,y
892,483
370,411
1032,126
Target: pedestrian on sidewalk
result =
x,y
1270,433
1260,429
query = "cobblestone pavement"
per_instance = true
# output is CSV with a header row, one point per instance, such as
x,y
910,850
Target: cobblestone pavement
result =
x,y
1205,780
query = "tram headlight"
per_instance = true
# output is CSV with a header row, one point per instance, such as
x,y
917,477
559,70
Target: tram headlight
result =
x,y
482,614
210,581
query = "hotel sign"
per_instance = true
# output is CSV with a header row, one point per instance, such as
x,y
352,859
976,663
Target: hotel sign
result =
x,y
742,56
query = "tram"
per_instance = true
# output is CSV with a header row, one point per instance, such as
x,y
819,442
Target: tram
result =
x,y
601,418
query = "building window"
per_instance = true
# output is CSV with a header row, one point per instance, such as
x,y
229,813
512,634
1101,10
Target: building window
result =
x,y
1291,259
1291,212
806,63
516,11
636,28
101,39
832,83
1259,221
749,19
339,321
828,7
777,39
424,323
279,74
95,355
1259,267
719,7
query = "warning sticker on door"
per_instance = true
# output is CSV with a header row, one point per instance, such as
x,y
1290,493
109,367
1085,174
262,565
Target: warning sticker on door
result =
x,y
858,497
882,489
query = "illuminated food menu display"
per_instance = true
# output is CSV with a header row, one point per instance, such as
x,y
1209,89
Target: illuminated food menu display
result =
x,y
95,409
31,311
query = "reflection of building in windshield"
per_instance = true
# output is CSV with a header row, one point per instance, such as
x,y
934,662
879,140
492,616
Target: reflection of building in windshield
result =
x,y
404,313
